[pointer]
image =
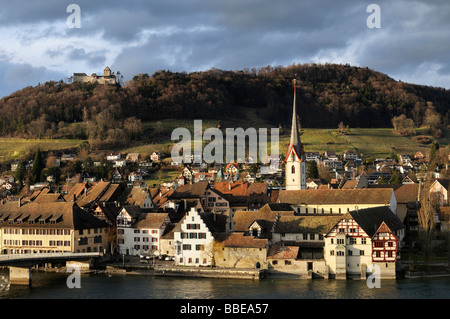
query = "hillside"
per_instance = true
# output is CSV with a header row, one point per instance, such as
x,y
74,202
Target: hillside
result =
x,y
113,116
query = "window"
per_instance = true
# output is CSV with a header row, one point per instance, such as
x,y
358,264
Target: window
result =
x,y
340,241
312,236
292,169
389,253
361,252
378,244
352,241
378,254
287,262
363,241
331,252
305,236
340,253
390,244
350,252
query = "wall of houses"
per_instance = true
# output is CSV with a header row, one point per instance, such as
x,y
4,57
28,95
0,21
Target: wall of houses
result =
x,y
211,200
167,246
334,209
240,257
300,267
135,241
297,237
17,240
440,192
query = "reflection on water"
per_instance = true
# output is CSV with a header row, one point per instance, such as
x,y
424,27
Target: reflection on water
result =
x,y
52,286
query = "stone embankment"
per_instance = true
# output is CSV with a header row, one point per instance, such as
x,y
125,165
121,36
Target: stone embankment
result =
x,y
254,274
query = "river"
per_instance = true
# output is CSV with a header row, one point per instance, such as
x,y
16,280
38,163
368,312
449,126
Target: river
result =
x,y
101,286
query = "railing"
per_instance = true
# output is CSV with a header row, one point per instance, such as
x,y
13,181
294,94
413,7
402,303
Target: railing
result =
x,y
63,255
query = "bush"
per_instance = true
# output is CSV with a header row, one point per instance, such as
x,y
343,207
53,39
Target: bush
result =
x,y
422,139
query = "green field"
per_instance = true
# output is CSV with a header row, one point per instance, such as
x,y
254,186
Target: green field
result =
x,y
13,148
372,142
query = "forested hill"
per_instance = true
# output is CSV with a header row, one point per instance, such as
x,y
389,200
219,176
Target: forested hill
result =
x,y
327,94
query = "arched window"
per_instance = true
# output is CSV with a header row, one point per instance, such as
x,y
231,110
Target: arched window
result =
x,y
292,169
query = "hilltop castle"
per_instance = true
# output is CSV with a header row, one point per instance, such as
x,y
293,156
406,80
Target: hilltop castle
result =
x,y
108,77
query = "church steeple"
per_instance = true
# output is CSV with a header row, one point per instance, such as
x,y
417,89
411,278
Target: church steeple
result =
x,y
295,167
295,143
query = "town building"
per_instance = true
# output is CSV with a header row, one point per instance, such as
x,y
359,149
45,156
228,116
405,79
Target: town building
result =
x,y
50,227
239,251
194,238
439,189
139,232
362,238
337,201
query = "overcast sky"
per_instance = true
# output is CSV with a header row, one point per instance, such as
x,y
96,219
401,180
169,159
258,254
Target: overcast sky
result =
x,y
143,36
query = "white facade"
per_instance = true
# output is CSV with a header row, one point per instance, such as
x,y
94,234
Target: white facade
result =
x,y
138,240
193,241
295,173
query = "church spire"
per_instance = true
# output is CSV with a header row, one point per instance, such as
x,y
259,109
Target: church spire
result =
x,y
295,142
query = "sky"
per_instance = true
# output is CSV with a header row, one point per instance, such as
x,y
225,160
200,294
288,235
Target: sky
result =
x,y
40,40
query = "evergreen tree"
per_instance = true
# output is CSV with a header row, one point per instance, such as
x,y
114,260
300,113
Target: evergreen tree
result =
x,y
38,166
19,175
311,170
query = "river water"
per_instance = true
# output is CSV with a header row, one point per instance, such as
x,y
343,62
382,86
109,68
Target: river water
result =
x,y
101,286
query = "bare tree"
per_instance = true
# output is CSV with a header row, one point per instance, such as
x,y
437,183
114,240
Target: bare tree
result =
x,y
427,214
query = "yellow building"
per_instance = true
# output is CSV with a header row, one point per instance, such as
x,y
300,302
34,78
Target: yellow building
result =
x,y
49,227
239,251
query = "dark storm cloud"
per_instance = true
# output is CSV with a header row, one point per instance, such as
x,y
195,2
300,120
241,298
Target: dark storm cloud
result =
x,y
147,36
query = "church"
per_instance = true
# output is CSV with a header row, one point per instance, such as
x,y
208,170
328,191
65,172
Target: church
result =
x,y
295,164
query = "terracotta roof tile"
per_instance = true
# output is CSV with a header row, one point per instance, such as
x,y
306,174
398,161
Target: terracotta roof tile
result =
x,y
337,196
239,240
286,252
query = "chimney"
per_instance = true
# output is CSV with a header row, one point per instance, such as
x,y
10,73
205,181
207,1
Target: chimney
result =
x,y
229,185
85,191
185,205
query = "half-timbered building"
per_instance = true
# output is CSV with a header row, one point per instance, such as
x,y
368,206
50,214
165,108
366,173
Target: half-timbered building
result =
x,y
361,239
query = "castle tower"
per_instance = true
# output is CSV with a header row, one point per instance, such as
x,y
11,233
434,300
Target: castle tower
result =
x,y
295,167
107,71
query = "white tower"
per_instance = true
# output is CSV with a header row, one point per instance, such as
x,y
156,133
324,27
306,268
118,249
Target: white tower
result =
x,y
295,167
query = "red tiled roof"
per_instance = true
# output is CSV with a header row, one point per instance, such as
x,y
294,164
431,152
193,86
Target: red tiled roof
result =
x,y
279,252
239,240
